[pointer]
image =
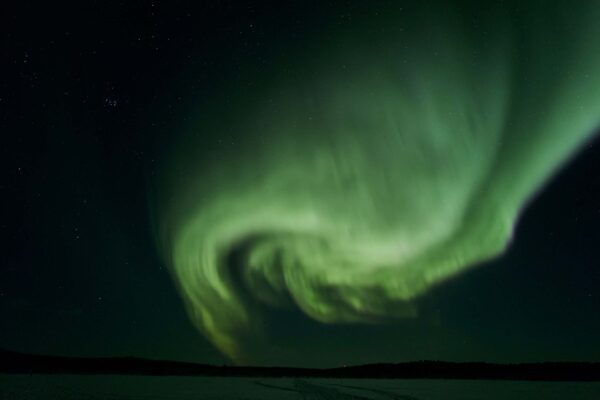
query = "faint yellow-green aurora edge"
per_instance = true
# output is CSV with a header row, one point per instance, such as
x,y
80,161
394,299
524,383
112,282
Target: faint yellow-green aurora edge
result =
x,y
348,192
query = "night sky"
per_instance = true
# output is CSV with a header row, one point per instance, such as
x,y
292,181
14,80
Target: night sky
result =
x,y
106,110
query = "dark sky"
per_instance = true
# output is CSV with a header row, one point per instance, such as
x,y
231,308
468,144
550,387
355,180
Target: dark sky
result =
x,y
89,95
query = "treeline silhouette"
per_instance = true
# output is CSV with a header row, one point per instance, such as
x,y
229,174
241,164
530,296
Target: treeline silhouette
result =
x,y
19,363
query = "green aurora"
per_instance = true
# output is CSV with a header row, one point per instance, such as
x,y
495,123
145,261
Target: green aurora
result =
x,y
373,162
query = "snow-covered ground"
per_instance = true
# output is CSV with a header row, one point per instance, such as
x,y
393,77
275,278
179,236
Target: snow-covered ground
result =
x,y
125,387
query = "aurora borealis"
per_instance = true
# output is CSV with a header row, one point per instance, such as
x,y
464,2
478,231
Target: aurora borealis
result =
x,y
302,183
381,163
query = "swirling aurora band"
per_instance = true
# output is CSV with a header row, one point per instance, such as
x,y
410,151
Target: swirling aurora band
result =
x,y
365,174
